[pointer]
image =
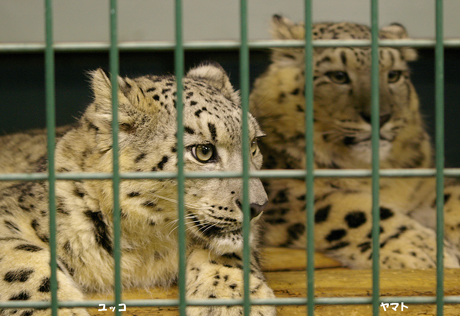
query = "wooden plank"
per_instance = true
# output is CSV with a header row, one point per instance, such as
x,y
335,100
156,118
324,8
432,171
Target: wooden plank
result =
x,y
285,259
337,282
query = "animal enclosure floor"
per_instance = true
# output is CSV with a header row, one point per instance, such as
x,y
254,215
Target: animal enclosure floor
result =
x,y
285,272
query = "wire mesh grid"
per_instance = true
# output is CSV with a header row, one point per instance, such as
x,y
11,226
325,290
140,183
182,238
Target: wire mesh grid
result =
x,y
308,174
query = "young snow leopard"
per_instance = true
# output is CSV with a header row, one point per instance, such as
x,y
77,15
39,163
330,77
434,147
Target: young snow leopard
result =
x,y
342,141
147,122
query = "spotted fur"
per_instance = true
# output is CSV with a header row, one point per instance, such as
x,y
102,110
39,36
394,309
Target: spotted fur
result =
x,y
341,84
147,142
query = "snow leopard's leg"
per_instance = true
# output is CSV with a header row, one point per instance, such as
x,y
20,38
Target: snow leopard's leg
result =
x,y
25,275
343,222
211,276
452,213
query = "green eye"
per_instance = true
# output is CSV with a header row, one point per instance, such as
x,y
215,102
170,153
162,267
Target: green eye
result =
x,y
339,77
204,152
254,147
394,75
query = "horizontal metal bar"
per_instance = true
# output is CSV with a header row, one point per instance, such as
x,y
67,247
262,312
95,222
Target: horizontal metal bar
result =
x,y
211,45
323,173
227,302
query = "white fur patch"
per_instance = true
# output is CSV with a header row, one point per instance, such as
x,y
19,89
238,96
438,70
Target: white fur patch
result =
x,y
363,150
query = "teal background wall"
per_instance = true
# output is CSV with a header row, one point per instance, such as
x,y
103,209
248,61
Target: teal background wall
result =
x,y
22,96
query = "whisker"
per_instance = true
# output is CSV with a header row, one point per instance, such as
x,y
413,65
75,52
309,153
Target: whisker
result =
x,y
186,204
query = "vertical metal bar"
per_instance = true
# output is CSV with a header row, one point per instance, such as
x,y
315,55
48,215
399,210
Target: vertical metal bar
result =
x,y
309,154
244,88
51,132
114,69
375,156
179,72
439,146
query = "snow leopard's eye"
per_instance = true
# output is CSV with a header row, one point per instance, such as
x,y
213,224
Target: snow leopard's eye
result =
x,y
394,76
339,77
204,152
254,147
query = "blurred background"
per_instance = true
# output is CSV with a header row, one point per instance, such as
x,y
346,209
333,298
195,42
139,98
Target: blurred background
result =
x,y
22,88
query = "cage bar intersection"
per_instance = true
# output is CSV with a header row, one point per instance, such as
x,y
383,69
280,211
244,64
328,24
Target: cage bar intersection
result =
x,y
244,46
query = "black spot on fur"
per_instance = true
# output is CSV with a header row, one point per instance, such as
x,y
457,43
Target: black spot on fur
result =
x,y
365,246
193,103
127,128
348,140
35,224
281,197
18,275
140,157
22,296
61,210
12,227
276,221
45,285
301,198
340,245
212,130
162,162
28,247
343,57
289,56
101,232
296,230
150,89
295,91
189,130
370,233
385,213
27,313
78,193
67,247
322,214
133,194
197,113
232,256
156,97
401,230
149,204
446,197
336,234
281,97
91,126
355,219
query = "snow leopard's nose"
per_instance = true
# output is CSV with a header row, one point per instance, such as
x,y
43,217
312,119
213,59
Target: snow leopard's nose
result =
x,y
255,208
382,119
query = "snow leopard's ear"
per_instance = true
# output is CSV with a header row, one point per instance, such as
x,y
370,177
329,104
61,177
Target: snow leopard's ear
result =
x,y
130,98
102,86
398,31
216,76
284,29
129,93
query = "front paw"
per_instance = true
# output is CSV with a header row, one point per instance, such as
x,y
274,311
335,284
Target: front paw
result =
x,y
226,283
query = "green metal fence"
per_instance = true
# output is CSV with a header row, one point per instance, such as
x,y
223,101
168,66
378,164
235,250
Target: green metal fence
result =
x,y
308,174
